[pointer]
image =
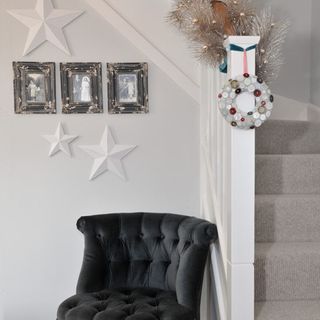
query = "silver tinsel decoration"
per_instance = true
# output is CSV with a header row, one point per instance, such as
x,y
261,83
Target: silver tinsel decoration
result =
x,y
197,20
242,14
269,53
206,22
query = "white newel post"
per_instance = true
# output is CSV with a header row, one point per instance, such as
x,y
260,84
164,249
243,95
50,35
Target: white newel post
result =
x,y
240,243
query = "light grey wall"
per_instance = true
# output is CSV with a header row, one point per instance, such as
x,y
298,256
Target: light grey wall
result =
x,y
173,44
294,79
295,74
41,198
315,54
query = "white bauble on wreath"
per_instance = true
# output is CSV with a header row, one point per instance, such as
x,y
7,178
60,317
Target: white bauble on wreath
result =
x,y
263,102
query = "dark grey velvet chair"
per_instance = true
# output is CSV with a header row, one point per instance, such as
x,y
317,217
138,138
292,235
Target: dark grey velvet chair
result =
x,y
140,266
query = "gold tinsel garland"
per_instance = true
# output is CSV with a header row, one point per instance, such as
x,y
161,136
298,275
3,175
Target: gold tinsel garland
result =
x,y
207,23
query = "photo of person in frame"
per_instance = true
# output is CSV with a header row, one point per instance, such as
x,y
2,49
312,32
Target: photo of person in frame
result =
x,y
81,88
128,88
35,90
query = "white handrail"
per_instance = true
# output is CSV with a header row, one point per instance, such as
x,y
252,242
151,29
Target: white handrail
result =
x,y
228,174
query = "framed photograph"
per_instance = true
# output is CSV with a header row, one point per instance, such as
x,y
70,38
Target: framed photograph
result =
x,y
81,87
34,87
128,88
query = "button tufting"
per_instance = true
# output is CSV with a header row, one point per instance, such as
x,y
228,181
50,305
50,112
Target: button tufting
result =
x,y
132,258
130,303
187,244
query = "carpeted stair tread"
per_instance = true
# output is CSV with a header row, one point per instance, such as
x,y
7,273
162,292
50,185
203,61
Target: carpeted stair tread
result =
x,y
287,271
287,218
288,174
288,137
291,310
287,262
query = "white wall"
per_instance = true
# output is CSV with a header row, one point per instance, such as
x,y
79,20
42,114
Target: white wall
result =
x,y
158,32
41,198
294,78
315,54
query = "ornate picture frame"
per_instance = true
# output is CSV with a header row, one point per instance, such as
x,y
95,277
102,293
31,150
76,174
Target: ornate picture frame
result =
x,y
128,88
81,87
34,87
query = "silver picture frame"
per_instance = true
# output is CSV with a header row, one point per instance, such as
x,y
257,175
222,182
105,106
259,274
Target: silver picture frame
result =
x,y
81,87
128,88
34,87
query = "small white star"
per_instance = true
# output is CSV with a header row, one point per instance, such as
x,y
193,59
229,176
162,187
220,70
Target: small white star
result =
x,y
107,156
59,141
45,24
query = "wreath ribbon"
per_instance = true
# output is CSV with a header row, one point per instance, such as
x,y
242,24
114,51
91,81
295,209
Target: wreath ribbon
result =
x,y
234,47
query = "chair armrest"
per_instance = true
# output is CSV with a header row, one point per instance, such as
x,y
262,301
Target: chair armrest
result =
x,y
197,238
92,274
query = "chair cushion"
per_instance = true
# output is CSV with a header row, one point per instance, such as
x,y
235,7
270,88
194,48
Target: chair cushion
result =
x,y
124,304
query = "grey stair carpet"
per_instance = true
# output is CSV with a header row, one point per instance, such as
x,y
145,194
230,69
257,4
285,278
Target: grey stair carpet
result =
x,y
287,271
287,218
285,174
292,137
287,263
292,310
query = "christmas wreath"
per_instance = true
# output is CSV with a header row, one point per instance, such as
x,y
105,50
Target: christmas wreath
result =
x,y
263,102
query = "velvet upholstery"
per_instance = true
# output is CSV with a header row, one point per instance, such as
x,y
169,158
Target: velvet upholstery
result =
x,y
153,258
121,304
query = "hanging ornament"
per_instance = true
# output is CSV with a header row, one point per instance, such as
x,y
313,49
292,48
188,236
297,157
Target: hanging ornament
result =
x,y
263,102
249,85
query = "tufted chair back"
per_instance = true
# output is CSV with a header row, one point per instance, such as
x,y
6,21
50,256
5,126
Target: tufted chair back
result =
x,y
146,250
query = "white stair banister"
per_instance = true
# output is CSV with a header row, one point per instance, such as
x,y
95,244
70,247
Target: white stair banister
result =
x,y
228,187
235,58
242,194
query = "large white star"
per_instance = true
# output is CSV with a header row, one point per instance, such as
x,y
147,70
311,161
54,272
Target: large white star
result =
x,y
59,141
107,156
45,24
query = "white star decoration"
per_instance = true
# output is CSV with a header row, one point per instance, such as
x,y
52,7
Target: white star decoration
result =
x,y
107,156
45,24
59,141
